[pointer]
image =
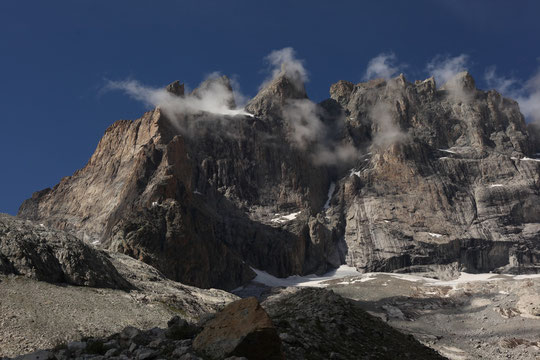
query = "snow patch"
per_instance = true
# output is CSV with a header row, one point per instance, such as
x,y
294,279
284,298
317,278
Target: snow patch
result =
x,y
330,193
353,172
155,203
495,185
355,280
41,225
448,151
525,159
351,276
284,218
197,192
95,242
435,235
304,281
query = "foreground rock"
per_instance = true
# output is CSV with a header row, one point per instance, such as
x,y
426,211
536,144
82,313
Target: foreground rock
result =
x,y
319,324
40,315
312,324
55,256
241,329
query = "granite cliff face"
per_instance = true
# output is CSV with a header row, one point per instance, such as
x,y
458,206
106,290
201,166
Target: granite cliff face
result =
x,y
455,186
429,177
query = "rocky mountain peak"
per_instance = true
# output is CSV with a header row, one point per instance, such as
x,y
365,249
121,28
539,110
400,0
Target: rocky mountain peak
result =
x,y
274,95
175,88
217,85
460,81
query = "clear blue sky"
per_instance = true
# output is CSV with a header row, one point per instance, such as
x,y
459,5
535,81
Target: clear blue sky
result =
x,y
56,57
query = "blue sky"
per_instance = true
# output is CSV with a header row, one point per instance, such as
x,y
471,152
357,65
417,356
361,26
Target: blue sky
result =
x,y
57,56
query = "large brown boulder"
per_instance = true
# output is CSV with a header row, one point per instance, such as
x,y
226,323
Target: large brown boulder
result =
x,y
242,328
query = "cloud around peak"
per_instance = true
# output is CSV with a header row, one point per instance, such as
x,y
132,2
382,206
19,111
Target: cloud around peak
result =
x,y
285,62
445,67
383,66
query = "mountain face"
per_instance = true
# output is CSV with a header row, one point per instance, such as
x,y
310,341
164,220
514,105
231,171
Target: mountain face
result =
x,y
385,175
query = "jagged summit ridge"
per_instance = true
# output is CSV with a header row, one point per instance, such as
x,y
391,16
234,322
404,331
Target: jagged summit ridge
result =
x,y
275,94
432,176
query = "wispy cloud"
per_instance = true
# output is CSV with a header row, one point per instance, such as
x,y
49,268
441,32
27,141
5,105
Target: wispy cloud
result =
x,y
285,62
309,133
500,83
444,67
383,66
388,131
214,96
526,93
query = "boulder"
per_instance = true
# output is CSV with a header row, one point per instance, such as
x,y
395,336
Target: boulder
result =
x,y
241,329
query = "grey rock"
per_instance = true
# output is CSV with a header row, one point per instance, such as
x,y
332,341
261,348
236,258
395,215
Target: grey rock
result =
x,y
179,351
176,88
77,346
190,356
111,353
146,354
449,189
129,333
37,355
52,255
112,344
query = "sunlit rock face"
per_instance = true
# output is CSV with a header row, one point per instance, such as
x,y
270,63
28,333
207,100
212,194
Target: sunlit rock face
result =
x,y
385,175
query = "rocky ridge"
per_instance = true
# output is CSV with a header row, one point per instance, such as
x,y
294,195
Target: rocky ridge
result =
x,y
55,256
438,176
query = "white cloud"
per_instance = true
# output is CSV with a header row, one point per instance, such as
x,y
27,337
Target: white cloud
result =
x,y
284,61
382,66
305,122
213,96
388,131
443,68
309,133
529,100
501,84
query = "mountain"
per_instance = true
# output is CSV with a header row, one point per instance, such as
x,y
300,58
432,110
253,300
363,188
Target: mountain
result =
x,y
385,175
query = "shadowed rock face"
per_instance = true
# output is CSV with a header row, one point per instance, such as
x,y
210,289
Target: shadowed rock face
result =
x,y
439,176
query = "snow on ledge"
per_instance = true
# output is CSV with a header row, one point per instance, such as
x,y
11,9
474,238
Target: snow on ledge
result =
x,y
495,185
304,281
330,194
435,235
284,218
351,276
448,151
525,159
357,173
